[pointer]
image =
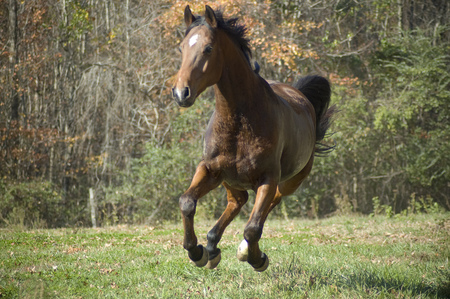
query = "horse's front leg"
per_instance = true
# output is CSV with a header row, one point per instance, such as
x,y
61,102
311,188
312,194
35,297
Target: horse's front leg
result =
x,y
236,199
202,183
249,249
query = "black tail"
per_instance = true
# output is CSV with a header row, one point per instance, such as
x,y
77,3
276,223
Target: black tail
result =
x,y
318,91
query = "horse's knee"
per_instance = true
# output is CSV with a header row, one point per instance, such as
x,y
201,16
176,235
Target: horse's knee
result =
x,y
187,205
252,233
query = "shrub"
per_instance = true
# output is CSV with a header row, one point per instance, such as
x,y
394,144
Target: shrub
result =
x,y
34,204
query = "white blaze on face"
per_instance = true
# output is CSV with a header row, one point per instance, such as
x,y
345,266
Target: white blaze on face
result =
x,y
193,40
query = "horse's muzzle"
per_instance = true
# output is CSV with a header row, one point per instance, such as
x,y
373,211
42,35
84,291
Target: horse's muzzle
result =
x,y
183,96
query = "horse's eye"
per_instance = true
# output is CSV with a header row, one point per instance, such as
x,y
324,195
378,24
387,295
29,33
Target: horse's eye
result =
x,y
208,50
179,49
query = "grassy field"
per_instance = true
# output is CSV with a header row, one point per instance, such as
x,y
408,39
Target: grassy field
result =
x,y
340,257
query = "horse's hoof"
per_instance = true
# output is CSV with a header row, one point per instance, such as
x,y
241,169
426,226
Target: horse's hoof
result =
x,y
264,265
242,252
203,260
212,263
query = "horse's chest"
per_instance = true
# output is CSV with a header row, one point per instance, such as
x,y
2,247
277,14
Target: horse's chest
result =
x,y
239,160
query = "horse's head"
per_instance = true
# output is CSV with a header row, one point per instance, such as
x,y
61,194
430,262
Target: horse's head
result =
x,y
201,64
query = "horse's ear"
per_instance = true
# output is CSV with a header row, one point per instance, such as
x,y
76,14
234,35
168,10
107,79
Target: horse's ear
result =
x,y
210,16
188,16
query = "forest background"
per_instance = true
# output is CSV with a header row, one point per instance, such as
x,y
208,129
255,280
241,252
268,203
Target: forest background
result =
x,y
89,133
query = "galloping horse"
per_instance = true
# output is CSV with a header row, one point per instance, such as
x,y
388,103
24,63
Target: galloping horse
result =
x,y
262,136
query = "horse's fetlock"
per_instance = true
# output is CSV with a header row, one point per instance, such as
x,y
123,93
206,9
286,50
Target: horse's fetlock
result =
x,y
252,233
189,246
213,237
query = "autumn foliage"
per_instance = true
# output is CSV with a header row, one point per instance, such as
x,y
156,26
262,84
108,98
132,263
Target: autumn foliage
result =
x,y
85,104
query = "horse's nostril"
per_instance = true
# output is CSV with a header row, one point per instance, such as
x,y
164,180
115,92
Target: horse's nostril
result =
x,y
181,94
186,93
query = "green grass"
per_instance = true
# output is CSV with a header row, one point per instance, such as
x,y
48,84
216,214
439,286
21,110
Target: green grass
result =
x,y
341,257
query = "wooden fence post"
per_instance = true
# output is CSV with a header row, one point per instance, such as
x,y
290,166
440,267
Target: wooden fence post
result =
x,y
93,205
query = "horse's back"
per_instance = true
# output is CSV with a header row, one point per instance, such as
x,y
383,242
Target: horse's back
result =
x,y
297,100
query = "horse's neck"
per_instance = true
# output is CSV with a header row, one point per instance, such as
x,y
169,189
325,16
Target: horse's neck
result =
x,y
236,91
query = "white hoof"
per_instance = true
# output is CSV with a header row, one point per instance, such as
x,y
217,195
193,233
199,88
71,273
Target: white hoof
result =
x,y
212,263
203,261
242,252
265,265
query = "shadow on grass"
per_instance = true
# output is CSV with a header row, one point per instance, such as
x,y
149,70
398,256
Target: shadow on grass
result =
x,y
364,279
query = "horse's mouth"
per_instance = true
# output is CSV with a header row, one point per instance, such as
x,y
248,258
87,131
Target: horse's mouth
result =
x,y
187,102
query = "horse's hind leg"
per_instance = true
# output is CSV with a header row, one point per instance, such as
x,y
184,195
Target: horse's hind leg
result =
x,y
236,199
288,187
202,183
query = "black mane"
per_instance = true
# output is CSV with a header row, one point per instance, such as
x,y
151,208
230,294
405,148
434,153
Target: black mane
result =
x,y
231,27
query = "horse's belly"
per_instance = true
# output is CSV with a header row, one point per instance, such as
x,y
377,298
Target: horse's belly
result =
x,y
244,175
241,173
239,184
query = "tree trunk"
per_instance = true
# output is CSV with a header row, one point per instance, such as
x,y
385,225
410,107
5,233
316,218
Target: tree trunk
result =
x,y
12,31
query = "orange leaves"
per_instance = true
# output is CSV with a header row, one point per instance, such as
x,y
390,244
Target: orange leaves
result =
x,y
173,18
31,149
344,81
279,42
90,163
285,53
279,53
96,161
282,45
70,141
25,147
297,26
26,135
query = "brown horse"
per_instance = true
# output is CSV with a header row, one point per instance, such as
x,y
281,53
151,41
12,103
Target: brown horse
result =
x,y
262,135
